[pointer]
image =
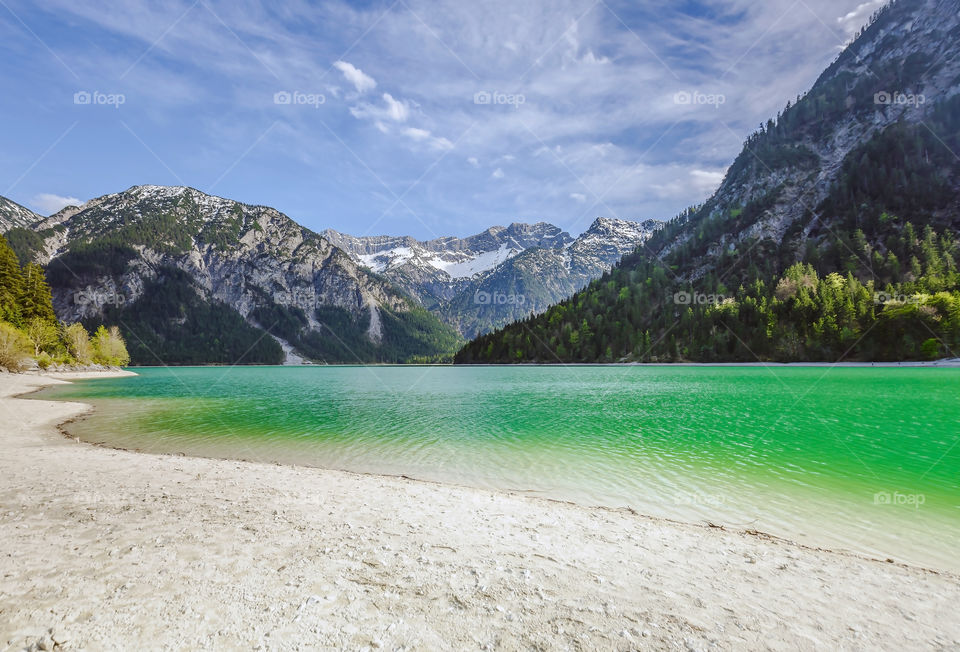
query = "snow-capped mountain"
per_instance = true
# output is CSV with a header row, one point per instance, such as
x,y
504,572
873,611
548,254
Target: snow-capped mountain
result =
x,y
188,274
489,279
153,256
13,215
433,271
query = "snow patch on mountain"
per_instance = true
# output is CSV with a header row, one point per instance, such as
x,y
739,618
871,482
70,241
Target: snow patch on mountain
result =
x,y
481,262
13,215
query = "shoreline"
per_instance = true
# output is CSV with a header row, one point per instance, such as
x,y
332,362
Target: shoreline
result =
x,y
442,484
492,528
945,363
716,521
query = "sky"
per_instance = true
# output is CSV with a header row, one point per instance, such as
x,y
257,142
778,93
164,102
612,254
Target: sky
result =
x,y
403,117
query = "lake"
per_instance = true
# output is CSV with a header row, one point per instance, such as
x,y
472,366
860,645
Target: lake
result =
x,y
856,458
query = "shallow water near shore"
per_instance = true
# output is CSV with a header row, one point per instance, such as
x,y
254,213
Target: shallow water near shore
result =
x,y
860,459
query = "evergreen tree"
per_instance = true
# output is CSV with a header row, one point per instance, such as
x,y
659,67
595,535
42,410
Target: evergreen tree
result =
x,y
36,299
11,284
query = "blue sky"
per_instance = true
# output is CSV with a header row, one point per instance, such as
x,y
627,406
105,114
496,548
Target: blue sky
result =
x,y
402,117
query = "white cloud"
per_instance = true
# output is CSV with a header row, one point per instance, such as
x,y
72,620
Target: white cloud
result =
x,y
391,110
48,203
706,180
599,93
441,143
360,80
416,134
852,21
424,135
396,109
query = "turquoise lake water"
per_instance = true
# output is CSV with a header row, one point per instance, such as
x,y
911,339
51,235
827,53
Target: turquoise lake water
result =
x,y
861,459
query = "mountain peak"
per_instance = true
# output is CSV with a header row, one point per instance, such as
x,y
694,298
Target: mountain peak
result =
x,y
13,215
612,228
835,190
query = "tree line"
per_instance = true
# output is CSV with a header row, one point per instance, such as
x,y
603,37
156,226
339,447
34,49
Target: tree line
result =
x,y
908,310
29,329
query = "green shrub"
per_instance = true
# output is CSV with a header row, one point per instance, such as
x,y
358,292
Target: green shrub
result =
x,y
15,348
78,343
109,348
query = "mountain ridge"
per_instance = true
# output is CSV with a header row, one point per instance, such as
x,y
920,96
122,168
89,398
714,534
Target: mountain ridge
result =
x,y
108,257
850,193
204,250
461,279
13,215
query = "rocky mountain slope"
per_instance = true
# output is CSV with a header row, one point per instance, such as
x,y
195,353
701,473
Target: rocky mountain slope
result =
x,y
13,215
183,272
167,262
850,196
492,278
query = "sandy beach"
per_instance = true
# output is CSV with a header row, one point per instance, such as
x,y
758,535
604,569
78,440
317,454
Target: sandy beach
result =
x,y
111,549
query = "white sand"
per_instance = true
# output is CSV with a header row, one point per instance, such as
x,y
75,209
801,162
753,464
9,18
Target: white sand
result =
x,y
121,550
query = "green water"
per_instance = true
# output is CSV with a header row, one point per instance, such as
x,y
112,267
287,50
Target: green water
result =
x,y
809,453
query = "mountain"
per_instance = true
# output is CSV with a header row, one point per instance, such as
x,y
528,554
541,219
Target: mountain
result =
x,y
486,280
431,270
193,278
13,215
833,234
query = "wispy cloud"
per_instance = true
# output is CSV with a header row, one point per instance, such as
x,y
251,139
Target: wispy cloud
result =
x,y
47,203
361,81
555,109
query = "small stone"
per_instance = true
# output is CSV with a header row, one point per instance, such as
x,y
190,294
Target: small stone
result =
x,y
691,645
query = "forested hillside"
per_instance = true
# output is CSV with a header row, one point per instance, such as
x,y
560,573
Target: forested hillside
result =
x,y
833,235
190,278
29,329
